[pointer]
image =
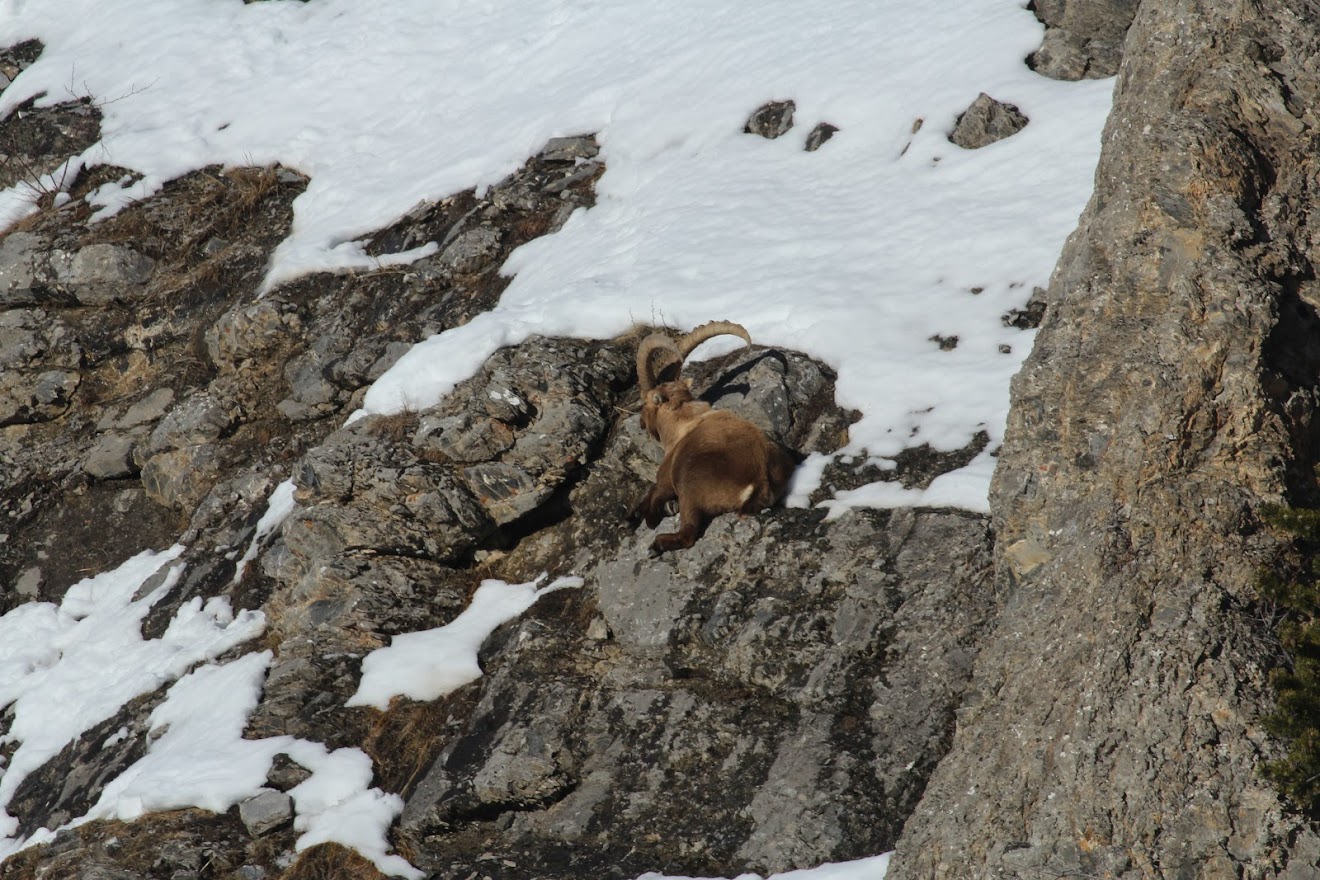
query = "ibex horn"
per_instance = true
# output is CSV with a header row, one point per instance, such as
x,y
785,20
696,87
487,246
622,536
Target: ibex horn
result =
x,y
648,375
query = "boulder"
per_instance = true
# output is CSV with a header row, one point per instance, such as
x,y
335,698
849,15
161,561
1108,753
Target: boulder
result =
x,y
1083,38
771,120
986,121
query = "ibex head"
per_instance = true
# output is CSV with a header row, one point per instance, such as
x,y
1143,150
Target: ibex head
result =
x,y
660,357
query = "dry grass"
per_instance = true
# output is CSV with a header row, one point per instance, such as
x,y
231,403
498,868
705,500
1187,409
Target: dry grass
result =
x,y
403,744
330,861
397,427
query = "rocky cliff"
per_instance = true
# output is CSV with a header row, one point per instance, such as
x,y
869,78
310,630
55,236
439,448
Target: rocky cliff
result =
x,y
1069,687
1113,726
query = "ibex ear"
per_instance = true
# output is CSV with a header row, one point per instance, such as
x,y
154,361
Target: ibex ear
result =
x,y
688,383
657,398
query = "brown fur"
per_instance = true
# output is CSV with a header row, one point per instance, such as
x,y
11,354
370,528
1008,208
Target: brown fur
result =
x,y
715,462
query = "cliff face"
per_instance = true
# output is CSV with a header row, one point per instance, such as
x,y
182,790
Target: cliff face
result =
x,y
1113,729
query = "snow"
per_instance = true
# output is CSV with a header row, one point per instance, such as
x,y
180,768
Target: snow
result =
x,y
858,254
199,758
278,508
66,668
427,665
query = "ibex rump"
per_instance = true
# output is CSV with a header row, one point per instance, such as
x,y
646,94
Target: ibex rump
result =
x,y
715,462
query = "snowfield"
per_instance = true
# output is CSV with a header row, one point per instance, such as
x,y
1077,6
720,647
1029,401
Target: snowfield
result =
x,y
858,253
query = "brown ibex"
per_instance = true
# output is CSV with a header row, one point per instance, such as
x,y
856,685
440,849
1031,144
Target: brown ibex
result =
x,y
715,462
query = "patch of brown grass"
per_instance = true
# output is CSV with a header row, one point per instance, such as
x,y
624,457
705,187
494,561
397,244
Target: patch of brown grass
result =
x,y
403,742
330,861
396,427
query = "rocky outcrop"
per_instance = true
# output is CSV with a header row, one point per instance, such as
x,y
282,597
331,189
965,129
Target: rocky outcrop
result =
x,y
1083,38
1114,726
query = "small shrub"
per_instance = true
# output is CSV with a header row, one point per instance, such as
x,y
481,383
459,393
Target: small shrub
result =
x,y
1295,588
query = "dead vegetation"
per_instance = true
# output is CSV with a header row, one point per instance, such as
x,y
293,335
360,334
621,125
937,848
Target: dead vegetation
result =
x,y
330,861
402,741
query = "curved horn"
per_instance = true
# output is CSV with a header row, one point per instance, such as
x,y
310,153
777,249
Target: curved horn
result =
x,y
710,330
646,351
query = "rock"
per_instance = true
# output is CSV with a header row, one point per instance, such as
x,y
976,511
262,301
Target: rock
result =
x,y
470,251
37,140
38,360
1063,56
249,331
21,259
819,135
985,122
266,812
198,420
505,490
179,478
348,483
570,149
147,410
112,457
1083,38
29,398
286,773
1030,317
29,583
66,786
703,670
100,274
771,120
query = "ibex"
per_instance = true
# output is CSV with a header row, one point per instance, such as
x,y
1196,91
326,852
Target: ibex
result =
x,y
715,462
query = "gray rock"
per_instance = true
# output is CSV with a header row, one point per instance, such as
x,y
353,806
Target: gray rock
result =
x,y
771,120
147,410
34,394
1083,38
704,656
286,773
505,490
53,388
266,812
198,420
393,351
569,149
112,457
1063,56
100,274
470,251
29,583
819,135
433,513
250,331
985,122
22,256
